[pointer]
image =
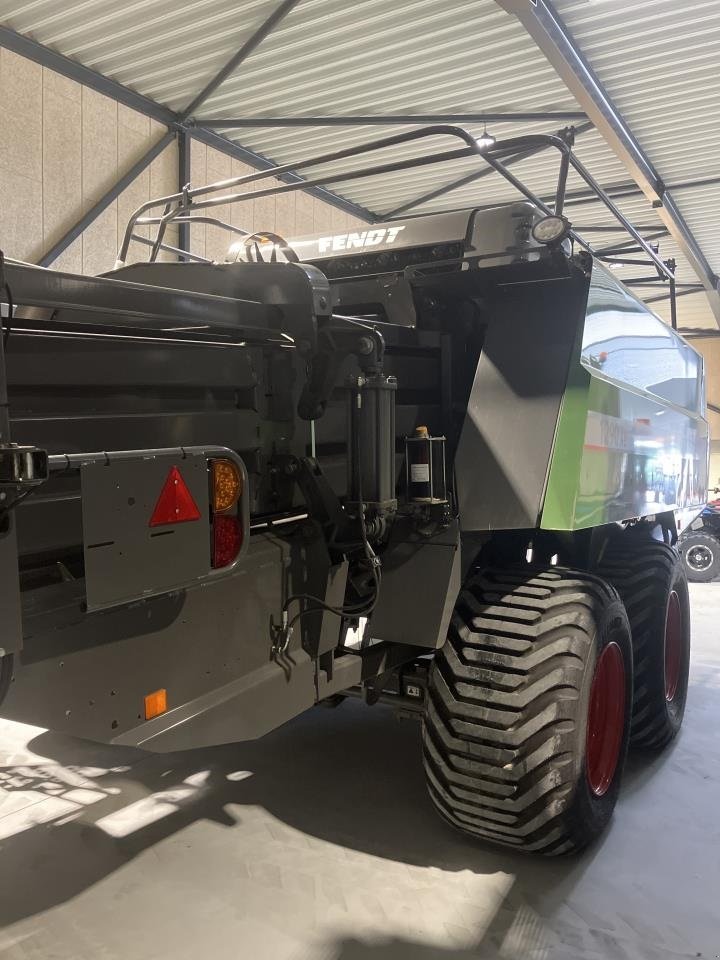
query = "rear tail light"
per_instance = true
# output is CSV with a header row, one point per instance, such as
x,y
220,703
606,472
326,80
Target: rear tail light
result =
x,y
227,540
226,487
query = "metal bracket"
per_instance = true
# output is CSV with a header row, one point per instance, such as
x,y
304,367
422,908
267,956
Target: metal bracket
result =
x,y
322,501
336,341
21,470
23,466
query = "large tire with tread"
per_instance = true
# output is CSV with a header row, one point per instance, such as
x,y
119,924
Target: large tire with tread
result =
x,y
650,578
533,683
701,554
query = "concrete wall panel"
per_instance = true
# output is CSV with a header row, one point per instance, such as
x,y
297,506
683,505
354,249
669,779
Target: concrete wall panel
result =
x,y
217,240
61,162
62,146
304,206
242,214
21,156
264,209
21,215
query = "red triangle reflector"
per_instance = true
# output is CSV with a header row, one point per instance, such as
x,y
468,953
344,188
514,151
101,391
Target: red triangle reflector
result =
x,y
175,503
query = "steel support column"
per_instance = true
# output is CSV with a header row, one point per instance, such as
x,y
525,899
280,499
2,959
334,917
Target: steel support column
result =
x,y
554,39
183,181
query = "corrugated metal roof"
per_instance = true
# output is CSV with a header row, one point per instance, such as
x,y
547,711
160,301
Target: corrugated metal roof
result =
x,y
330,57
660,63
165,49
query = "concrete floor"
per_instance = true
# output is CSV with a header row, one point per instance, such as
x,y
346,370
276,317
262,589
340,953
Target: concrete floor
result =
x,y
319,842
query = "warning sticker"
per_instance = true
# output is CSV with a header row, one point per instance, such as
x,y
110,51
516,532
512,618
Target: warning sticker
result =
x,y
420,472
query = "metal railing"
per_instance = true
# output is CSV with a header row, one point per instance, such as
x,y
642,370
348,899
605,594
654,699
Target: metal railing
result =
x,y
188,205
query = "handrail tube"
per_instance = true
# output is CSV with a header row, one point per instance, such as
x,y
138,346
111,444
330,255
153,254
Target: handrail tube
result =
x,y
380,144
620,217
178,206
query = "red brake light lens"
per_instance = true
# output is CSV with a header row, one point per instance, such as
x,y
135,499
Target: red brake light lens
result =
x,y
227,540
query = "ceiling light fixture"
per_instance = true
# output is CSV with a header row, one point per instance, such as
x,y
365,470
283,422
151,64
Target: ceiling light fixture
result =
x,y
485,140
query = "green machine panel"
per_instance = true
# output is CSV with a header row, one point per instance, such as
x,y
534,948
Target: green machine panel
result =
x,y
632,438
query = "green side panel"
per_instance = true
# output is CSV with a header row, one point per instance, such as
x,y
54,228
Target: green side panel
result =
x,y
560,504
632,439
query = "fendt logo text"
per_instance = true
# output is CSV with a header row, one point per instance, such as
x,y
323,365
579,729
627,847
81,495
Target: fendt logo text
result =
x,y
358,241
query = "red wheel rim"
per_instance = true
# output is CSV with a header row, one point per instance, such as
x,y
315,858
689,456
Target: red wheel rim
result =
x,y
606,719
673,646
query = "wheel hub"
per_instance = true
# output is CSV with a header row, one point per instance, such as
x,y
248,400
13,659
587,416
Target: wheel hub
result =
x,y
606,719
699,558
673,646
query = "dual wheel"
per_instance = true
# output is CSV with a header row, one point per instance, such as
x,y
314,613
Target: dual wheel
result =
x,y
546,677
701,553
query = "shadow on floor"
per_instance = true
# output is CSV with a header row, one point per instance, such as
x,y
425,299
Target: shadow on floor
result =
x,y
350,776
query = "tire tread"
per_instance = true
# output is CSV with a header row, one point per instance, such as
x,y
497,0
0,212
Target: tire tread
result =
x,y
503,705
641,571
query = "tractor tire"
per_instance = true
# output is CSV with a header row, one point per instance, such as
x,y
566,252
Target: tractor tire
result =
x,y
701,556
650,578
528,710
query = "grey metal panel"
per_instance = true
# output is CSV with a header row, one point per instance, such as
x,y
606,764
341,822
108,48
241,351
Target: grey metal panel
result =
x,y
293,295
125,558
49,523
10,629
480,233
87,674
76,434
317,577
507,436
95,298
44,359
383,236
244,709
10,611
407,612
346,671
